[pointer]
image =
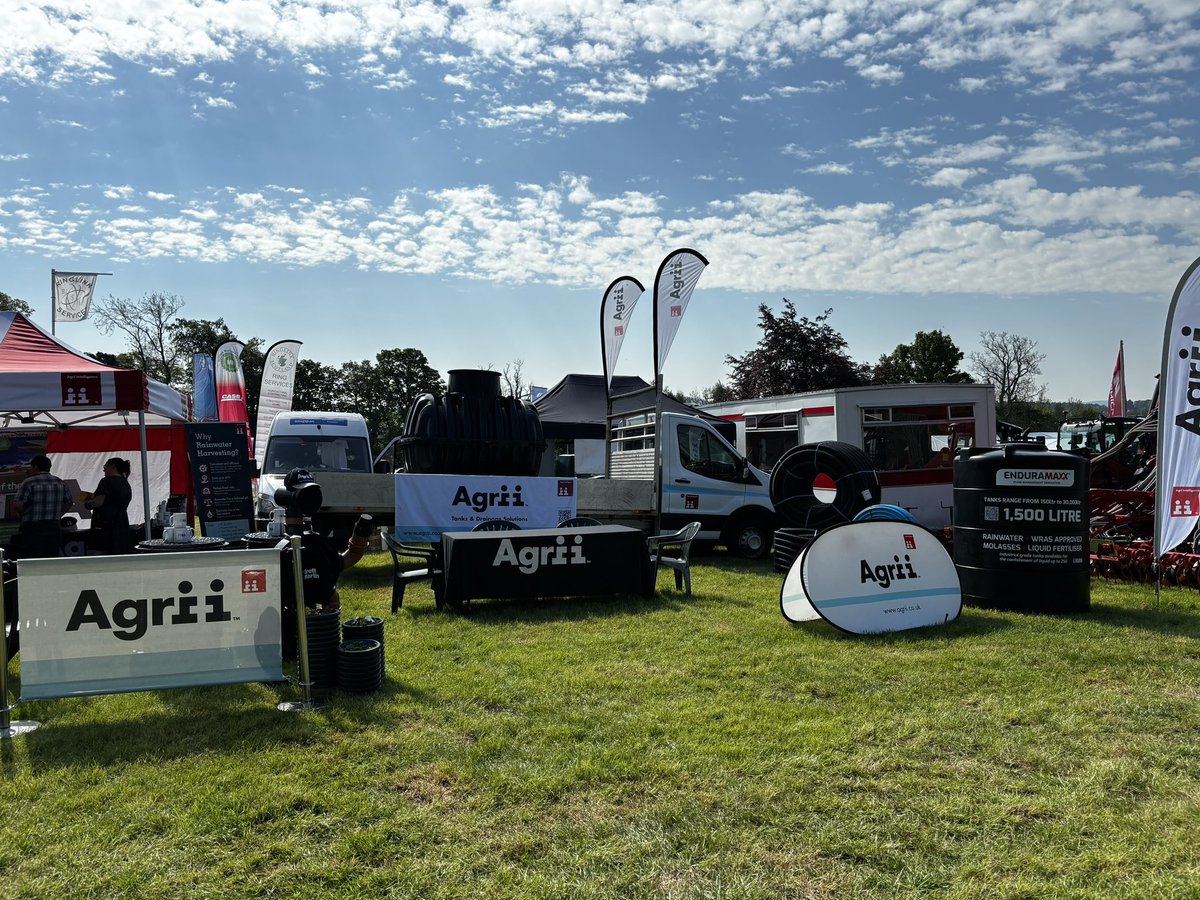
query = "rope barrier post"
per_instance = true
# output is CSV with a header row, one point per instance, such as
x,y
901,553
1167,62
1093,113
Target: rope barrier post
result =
x,y
8,728
301,634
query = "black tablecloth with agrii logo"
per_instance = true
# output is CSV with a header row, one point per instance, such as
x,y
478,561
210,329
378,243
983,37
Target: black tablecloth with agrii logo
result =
x,y
546,562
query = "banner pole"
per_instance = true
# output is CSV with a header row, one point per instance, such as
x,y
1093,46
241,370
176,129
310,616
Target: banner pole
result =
x,y
53,303
301,633
145,474
8,728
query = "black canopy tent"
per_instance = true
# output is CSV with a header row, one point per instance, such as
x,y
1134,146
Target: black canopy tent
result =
x,y
576,408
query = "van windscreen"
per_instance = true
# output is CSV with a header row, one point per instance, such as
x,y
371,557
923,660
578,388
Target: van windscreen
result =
x,y
316,453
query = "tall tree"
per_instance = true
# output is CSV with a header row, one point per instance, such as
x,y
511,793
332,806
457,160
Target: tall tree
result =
x,y
1011,363
383,390
12,304
794,354
931,358
317,387
146,324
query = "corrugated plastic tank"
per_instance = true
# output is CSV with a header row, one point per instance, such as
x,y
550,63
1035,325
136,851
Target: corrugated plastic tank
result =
x,y
472,430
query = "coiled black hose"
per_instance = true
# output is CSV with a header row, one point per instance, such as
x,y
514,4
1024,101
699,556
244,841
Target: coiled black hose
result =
x,y
796,505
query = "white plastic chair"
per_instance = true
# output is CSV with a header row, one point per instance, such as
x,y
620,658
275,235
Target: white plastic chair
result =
x,y
681,543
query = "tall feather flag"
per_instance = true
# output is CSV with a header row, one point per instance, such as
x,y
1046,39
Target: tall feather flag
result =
x,y
231,387
673,286
204,388
615,309
1116,392
275,390
1177,494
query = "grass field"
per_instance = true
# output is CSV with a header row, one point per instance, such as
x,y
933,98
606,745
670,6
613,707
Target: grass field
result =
x,y
676,747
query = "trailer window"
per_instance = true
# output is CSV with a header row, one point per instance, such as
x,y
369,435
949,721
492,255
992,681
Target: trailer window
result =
x,y
916,437
700,453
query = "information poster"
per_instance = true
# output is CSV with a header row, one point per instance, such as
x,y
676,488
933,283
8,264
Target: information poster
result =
x,y
221,474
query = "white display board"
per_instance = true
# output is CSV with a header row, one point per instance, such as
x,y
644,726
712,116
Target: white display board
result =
x,y
108,624
871,577
427,505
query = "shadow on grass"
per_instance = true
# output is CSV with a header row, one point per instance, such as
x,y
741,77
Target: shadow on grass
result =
x,y
1164,618
238,717
970,623
554,609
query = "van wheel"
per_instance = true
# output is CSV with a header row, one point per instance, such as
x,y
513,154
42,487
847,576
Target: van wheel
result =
x,y
750,539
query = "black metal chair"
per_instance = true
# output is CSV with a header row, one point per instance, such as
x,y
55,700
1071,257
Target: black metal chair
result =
x,y
402,576
497,525
681,543
580,522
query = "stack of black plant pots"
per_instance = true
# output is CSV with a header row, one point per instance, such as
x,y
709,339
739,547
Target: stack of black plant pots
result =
x,y
366,628
358,665
323,626
788,544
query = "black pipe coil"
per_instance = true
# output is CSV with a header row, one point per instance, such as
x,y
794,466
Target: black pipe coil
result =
x,y
847,466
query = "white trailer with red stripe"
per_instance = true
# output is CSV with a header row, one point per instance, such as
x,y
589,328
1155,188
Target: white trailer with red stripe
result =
x,y
908,431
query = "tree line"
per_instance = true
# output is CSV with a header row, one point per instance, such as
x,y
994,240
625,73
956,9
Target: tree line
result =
x,y
794,354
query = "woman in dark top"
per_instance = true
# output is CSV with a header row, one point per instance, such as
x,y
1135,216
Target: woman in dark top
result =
x,y
110,508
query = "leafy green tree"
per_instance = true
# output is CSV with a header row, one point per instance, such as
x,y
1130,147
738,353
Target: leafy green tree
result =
x,y
317,386
12,304
794,354
932,358
383,390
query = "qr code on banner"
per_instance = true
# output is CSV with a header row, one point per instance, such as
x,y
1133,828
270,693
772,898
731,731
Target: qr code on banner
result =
x,y
991,514
563,515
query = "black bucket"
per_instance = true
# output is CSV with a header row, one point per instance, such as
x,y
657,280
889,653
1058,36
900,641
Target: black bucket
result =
x,y
359,666
322,628
366,628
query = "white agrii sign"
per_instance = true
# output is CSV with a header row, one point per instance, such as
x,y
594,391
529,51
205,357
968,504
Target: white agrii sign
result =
x,y
615,310
1177,497
677,277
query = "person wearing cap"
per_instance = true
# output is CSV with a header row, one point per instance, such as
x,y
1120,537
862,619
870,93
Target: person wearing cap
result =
x,y
41,501
323,564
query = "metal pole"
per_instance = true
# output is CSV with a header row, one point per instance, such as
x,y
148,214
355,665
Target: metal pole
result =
x,y
146,472
52,303
658,454
301,633
8,728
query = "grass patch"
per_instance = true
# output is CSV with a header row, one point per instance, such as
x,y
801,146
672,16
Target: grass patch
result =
x,y
676,747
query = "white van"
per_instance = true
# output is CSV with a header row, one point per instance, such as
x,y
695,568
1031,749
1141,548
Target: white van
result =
x,y
327,444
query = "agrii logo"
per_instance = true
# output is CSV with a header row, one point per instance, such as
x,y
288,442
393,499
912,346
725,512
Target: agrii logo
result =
x,y
885,574
1185,502
482,501
619,307
529,559
1190,420
1036,477
130,619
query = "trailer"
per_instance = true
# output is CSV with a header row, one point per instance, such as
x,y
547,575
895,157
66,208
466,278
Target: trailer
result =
x,y
910,433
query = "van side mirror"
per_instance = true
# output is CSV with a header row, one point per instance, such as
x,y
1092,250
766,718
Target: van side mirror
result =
x,y
381,467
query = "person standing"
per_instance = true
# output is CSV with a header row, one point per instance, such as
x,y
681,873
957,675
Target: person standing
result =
x,y
110,508
41,501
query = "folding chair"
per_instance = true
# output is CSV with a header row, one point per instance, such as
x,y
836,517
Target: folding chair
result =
x,y
681,543
497,525
401,577
579,522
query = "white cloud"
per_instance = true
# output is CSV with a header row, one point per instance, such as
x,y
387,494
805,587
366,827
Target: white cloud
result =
x,y
13,157
829,169
951,177
219,103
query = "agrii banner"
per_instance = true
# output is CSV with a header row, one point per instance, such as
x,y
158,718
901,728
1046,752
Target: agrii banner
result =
x,y
72,295
231,386
275,390
673,286
1116,392
427,505
1177,496
204,389
615,309
142,622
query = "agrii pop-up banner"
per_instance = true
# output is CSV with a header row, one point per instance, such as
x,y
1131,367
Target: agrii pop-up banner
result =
x,y
874,576
110,624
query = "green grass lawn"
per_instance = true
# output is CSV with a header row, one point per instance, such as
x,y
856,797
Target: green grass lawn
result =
x,y
676,747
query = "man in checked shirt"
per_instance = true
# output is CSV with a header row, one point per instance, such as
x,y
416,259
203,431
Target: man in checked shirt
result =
x,y
41,501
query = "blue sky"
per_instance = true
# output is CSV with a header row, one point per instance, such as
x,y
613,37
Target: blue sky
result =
x,y
467,178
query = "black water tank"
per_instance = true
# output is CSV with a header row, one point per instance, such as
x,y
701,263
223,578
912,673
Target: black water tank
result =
x,y
1021,528
472,430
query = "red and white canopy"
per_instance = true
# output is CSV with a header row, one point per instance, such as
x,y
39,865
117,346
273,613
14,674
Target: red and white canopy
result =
x,y
47,382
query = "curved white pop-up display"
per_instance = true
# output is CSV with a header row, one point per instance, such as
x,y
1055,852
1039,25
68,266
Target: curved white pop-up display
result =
x,y
871,577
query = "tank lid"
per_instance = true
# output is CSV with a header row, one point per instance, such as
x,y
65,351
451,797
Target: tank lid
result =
x,y
476,382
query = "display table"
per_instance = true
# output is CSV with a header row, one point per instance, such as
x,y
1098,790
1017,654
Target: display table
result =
x,y
158,545
544,562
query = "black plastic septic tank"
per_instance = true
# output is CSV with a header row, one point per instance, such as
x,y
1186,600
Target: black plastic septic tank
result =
x,y
1021,528
472,430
